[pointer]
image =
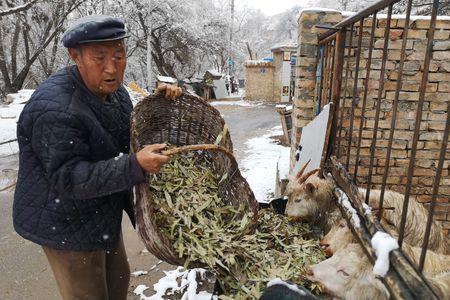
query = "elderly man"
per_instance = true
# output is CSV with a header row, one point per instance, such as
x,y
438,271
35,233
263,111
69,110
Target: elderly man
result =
x,y
76,174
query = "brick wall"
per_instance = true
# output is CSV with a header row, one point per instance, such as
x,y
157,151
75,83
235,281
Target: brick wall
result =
x,y
435,108
259,80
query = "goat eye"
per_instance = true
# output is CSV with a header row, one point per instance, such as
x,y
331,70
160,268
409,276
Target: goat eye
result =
x,y
297,200
343,272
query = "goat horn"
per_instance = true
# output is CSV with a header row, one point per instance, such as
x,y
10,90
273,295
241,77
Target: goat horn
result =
x,y
306,176
300,173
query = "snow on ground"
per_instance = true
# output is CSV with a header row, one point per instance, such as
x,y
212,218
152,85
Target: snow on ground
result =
x,y
178,280
260,164
243,103
9,114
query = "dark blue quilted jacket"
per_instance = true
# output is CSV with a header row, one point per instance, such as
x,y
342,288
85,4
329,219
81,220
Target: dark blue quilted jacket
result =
x,y
75,173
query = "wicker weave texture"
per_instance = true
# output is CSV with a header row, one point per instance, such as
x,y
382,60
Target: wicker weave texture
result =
x,y
187,120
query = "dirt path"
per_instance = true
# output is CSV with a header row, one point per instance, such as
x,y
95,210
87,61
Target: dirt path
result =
x,y
24,272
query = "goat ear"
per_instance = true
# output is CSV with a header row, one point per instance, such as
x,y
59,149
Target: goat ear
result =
x,y
310,188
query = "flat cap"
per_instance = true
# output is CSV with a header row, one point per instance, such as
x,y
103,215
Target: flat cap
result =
x,y
92,29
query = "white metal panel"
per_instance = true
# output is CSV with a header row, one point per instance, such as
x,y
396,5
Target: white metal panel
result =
x,y
312,141
220,88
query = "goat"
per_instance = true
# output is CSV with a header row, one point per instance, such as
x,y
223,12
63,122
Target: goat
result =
x,y
348,274
441,285
311,198
340,235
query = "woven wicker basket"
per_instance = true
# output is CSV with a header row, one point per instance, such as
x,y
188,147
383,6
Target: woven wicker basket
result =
x,y
188,120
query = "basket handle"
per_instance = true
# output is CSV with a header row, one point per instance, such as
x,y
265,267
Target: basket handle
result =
x,y
187,148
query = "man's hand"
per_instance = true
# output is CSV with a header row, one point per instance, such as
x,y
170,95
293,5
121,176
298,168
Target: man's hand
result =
x,y
171,92
150,159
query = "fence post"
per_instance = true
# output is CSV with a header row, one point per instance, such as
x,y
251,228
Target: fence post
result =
x,y
306,68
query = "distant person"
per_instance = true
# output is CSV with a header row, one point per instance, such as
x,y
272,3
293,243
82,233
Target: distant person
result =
x,y
76,174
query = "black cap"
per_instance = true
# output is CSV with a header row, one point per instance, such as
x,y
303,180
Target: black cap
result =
x,y
92,29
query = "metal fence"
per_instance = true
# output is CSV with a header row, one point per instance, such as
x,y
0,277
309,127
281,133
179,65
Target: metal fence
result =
x,y
339,55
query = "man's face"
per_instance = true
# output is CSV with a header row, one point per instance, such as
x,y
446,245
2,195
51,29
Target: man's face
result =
x,y
101,65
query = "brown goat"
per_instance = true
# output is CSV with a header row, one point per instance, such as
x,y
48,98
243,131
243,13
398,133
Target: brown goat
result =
x,y
311,198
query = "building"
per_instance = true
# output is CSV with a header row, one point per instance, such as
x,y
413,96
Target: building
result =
x,y
272,79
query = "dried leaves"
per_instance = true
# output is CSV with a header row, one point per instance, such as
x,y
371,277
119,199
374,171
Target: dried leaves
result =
x,y
203,229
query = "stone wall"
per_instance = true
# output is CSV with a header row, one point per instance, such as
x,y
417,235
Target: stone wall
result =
x,y
259,80
435,108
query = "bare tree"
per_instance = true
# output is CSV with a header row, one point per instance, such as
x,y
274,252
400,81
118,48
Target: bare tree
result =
x,y
25,34
16,9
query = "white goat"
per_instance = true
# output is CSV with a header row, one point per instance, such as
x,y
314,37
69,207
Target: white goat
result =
x,y
311,198
348,274
441,285
340,236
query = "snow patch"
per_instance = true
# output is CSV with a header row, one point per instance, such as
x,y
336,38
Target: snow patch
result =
x,y
118,156
9,115
138,273
177,280
292,287
166,79
343,200
383,243
315,9
260,164
284,160
242,103
367,209
140,289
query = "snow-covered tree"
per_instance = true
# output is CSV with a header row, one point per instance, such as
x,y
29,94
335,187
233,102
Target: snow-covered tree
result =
x,y
25,35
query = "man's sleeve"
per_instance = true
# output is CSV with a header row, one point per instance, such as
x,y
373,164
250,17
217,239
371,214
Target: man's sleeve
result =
x,y
60,141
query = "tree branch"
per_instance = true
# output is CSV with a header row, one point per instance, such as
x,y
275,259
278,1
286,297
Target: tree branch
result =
x,y
17,9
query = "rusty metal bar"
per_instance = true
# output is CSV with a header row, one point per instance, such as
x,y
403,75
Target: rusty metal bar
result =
x,y
395,107
339,52
379,5
355,90
332,58
342,107
378,108
330,38
366,90
325,76
423,87
326,26
319,75
330,74
437,181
